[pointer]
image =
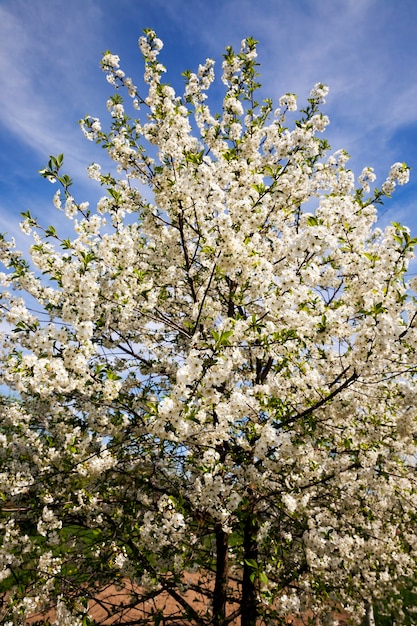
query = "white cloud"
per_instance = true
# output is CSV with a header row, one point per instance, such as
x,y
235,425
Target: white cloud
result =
x,y
43,79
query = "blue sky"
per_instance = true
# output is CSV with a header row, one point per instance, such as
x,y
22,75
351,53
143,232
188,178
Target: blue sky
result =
x,y
366,50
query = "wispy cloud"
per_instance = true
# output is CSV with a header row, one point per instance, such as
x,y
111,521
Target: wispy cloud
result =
x,y
43,73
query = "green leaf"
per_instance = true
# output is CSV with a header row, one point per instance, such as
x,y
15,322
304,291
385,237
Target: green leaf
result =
x,y
222,338
194,157
65,181
51,231
230,154
110,375
116,195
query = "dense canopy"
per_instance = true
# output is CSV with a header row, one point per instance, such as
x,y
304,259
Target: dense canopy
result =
x,y
213,377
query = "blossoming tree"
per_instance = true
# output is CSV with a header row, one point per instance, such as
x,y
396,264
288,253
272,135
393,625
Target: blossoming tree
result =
x,y
214,378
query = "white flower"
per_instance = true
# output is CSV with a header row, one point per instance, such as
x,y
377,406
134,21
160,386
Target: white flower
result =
x,y
289,100
94,171
110,61
400,173
120,560
234,106
290,502
57,200
319,92
388,187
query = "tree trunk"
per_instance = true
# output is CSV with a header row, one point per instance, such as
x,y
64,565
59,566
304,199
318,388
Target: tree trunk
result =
x,y
220,586
249,600
369,617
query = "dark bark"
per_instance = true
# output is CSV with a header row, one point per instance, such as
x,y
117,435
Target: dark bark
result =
x,y
222,571
249,600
